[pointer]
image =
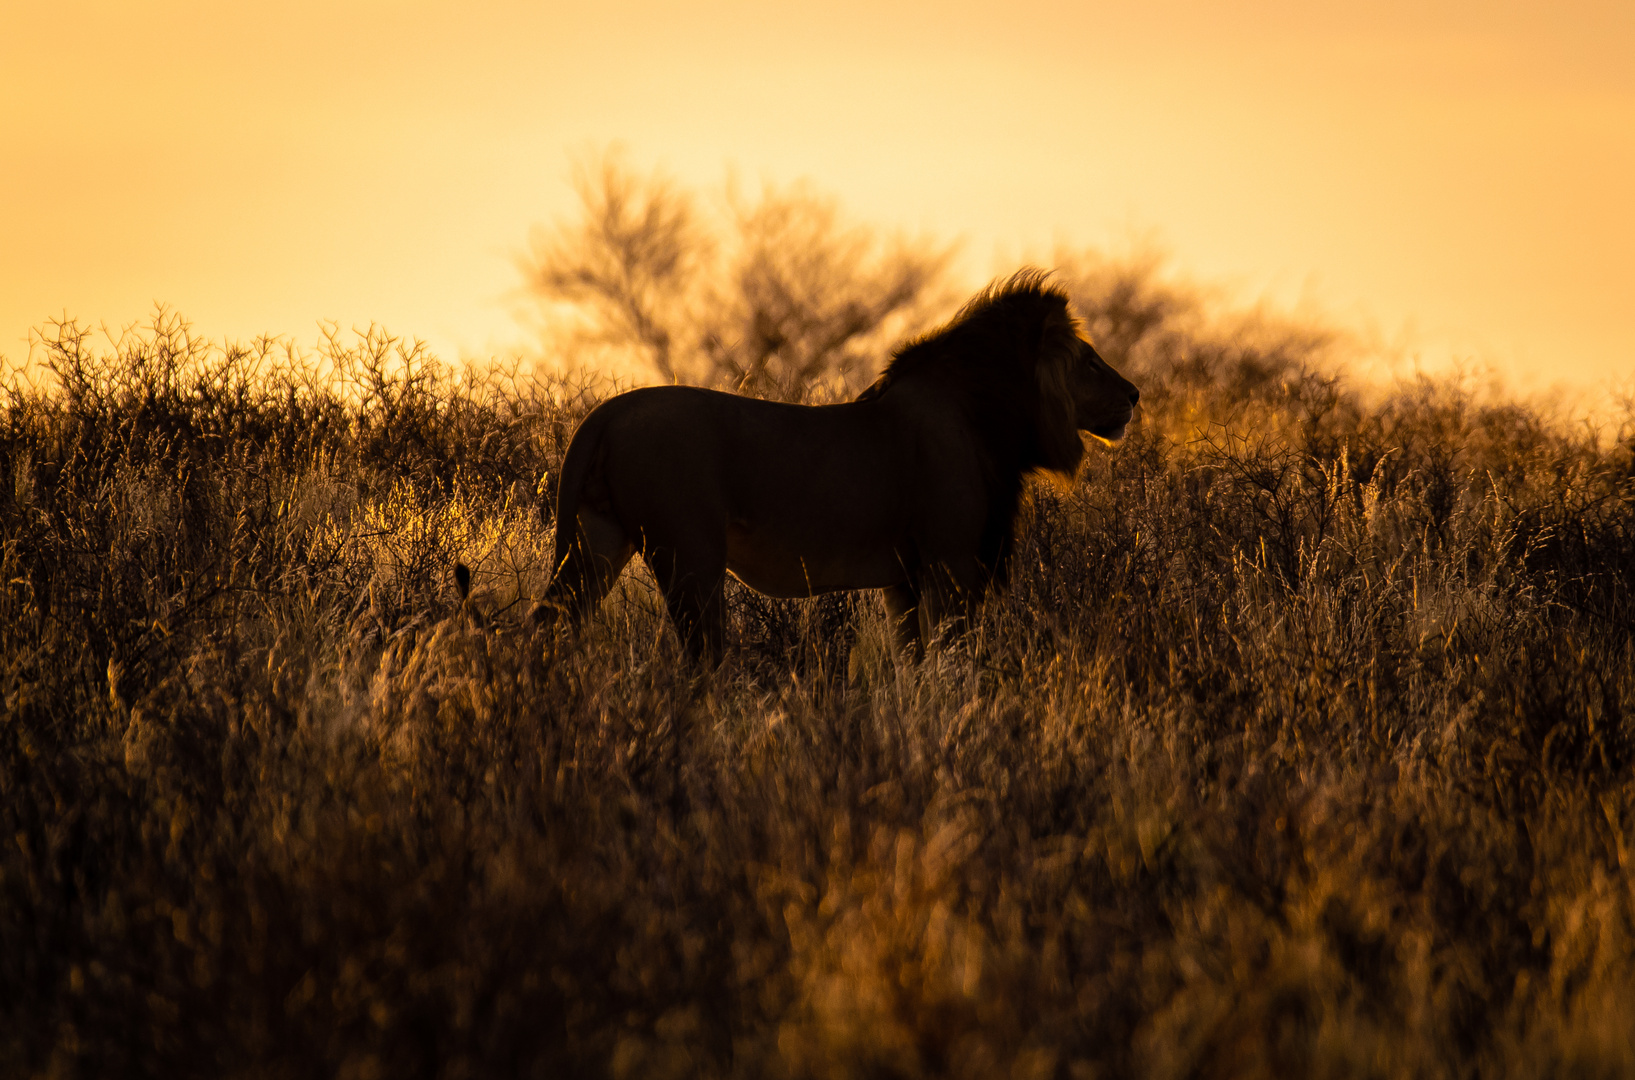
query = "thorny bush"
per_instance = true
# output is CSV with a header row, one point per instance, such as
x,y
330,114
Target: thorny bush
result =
x,y
1298,742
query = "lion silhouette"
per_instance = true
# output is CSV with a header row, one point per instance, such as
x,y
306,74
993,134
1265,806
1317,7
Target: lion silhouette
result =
x,y
913,488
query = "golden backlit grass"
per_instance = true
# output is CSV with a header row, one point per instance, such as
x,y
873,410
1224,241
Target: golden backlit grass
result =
x,y
1298,745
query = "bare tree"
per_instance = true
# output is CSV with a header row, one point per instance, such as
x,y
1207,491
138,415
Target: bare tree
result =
x,y
813,306
779,299
629,261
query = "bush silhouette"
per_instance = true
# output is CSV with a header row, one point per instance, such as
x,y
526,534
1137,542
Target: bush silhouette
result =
x,y
1299,742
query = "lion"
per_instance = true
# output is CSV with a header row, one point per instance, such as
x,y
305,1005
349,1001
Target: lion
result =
x,y
913,488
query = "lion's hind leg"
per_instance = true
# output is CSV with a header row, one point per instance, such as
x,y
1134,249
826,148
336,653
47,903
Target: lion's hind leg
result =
x,y
585,571
694,587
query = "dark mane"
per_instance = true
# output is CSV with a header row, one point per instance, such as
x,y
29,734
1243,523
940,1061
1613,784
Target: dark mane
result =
x,y
994,359
995,313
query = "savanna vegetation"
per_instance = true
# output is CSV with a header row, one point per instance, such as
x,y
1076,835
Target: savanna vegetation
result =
x,y
1299,742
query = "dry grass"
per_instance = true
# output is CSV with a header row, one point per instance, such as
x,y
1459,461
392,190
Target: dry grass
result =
x,y
1298,745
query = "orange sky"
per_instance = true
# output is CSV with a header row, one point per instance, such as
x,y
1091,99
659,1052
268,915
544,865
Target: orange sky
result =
x,y
1459,177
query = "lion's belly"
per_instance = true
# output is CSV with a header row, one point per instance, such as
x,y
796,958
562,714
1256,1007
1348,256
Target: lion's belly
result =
x,y
778,569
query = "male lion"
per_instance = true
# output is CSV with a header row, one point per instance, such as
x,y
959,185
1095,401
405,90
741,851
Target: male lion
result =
x,y
913,488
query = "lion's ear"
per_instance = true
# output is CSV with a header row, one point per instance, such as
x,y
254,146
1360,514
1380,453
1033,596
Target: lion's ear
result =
x,y
1060,448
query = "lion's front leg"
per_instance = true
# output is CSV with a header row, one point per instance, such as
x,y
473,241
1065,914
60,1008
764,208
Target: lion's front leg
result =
x,y
903,616
948,601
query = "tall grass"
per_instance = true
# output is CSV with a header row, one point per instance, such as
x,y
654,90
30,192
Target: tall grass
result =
x,y
1298,744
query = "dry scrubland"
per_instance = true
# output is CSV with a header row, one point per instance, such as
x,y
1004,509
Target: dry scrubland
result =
x,y
1299,744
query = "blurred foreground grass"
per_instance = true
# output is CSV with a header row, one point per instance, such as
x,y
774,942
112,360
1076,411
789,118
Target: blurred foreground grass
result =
x,y
1300,744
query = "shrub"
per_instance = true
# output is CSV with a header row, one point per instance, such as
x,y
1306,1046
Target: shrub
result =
x,y
1298,742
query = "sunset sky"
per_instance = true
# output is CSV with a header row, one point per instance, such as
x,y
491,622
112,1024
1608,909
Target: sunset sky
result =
x,y
1451,179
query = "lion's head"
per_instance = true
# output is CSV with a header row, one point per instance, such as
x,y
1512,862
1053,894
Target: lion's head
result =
x,y
1016,354
1078,390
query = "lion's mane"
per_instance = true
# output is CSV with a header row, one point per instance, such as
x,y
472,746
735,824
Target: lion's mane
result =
x,y
1007,357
